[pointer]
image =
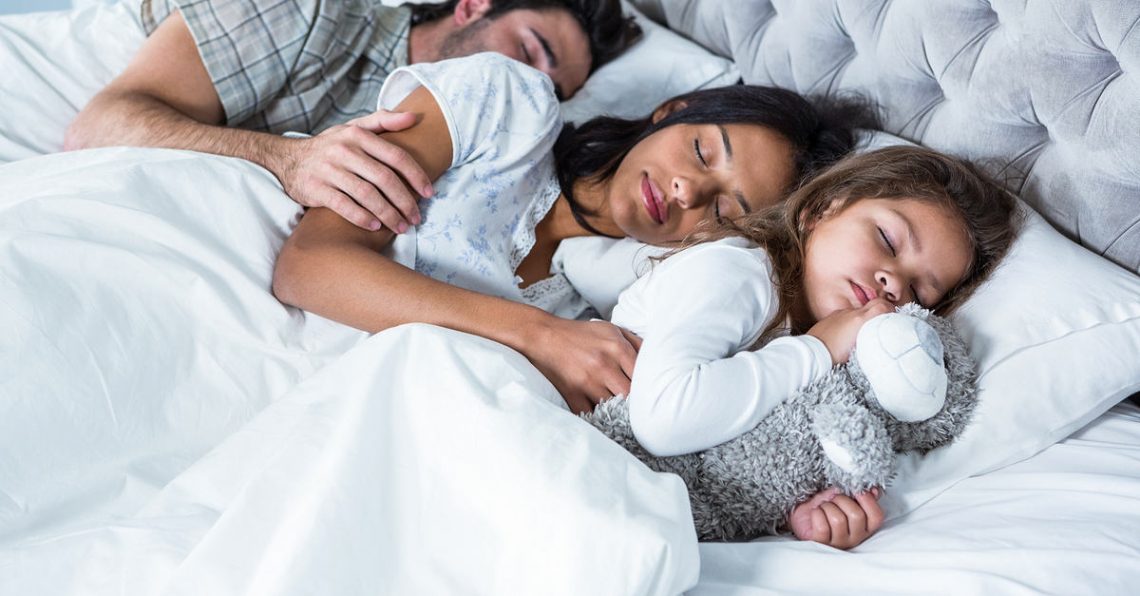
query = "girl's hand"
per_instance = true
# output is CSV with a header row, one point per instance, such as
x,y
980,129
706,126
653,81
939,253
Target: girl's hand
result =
x,y
838,330
837,520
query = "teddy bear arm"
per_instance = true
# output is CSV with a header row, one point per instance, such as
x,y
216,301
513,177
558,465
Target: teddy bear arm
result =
x,y
857,448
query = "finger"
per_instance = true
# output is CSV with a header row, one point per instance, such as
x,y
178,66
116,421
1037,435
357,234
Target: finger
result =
x,y
820,529
616,383
877,307
627,360
384,121
391,187
368,197
871,508
856,519
578,403
824,496
348,209
837,523
633,338
398,160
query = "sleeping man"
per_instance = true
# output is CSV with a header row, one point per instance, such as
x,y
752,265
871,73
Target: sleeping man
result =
x,y
228,76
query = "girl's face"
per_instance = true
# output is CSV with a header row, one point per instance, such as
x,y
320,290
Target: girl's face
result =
x,y
904,250
684,174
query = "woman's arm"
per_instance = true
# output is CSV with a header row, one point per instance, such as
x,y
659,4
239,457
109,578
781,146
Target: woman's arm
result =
x,y
333,268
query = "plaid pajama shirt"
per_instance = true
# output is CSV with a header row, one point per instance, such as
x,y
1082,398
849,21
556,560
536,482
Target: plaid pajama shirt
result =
x,y
300,65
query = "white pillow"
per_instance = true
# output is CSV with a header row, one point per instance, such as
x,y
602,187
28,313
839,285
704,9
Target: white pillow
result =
x,y
54,63
1056,332
661,65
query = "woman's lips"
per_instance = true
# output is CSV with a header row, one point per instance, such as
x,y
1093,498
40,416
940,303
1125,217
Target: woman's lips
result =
x,y
651,198
862,294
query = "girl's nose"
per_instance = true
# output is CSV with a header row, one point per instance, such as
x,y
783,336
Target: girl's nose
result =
x,y
890,285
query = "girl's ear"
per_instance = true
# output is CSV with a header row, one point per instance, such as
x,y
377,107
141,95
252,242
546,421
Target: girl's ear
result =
x,y
667,108
467,11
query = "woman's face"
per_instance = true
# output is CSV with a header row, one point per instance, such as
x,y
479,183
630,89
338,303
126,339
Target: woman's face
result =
x,y
684,174
904,250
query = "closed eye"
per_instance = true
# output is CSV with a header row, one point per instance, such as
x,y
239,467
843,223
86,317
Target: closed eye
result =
x,y
887,241
697,150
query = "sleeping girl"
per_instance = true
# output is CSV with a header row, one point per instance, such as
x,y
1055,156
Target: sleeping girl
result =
x,y
873,232
507,194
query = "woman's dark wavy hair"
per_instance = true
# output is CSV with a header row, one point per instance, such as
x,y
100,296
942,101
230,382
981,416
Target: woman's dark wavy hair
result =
x,y
820,129
610,32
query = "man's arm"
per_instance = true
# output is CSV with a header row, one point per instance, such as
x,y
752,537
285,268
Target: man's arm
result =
x,y
165,98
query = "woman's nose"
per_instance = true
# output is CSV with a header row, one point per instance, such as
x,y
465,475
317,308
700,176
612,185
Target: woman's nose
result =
x,y
687,192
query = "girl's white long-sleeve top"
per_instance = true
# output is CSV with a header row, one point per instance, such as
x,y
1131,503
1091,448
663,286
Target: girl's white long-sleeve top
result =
x,y
695,384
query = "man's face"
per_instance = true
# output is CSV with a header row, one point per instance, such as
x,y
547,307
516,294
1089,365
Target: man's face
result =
x,y
549,40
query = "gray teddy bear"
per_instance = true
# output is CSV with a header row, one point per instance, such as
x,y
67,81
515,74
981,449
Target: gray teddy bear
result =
x,y
910,384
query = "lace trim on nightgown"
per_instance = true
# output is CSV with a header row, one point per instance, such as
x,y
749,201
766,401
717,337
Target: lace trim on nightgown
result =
x,y
524,230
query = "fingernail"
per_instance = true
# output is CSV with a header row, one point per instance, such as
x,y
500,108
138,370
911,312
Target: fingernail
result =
x,y
428,191
401,228
417,220
374,225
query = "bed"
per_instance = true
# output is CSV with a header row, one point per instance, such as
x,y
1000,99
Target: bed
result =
x,y
166,426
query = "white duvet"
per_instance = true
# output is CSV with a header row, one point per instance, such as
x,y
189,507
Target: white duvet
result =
x,y
169,427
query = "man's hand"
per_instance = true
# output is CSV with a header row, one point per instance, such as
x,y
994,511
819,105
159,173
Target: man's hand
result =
x,y
354,172
837,520
586,361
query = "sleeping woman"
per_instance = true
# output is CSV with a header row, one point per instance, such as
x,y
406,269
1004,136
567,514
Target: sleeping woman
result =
x,y
509,188
511,184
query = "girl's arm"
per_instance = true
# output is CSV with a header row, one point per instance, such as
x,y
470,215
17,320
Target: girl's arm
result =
x,y
334,269
694,387
689,393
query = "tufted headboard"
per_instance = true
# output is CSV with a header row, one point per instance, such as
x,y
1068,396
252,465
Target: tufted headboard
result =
x,y
1050,88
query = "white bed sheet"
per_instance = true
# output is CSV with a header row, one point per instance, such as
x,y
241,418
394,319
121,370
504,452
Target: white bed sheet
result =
x,y
1066,521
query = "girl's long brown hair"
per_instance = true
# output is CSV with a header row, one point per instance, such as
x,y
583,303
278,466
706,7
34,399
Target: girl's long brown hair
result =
x,y
985,210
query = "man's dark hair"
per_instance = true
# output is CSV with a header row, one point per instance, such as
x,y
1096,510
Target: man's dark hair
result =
x,y
610,32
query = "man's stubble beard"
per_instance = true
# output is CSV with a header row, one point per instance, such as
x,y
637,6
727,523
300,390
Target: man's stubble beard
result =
x,y
466,41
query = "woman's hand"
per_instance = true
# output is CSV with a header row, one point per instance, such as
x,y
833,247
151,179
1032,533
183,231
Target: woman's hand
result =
x,y
586,361
838,330
351,170
837,520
